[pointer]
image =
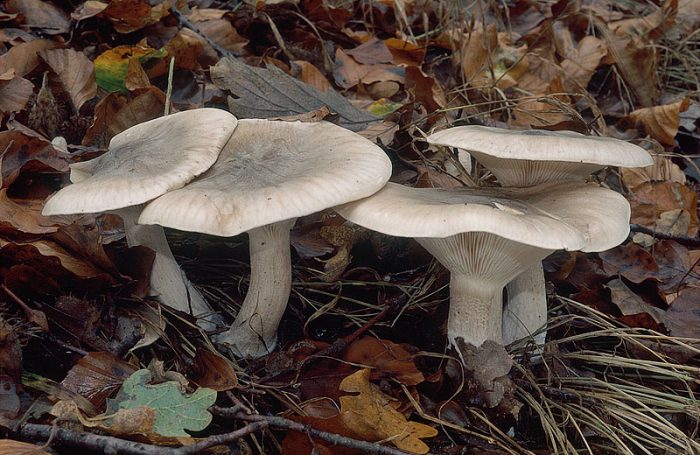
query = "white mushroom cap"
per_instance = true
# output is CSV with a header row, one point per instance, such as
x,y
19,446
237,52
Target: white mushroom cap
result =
x,y
145,161
271,171
530,157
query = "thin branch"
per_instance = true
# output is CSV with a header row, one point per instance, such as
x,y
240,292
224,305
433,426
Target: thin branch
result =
x,y
286,424
109,444
682,239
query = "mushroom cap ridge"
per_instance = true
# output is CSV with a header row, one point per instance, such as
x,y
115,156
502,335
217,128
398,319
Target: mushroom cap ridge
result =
x,y
145,161
552,216
542,145
271,171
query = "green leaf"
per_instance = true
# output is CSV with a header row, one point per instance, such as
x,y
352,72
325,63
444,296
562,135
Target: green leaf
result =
x,y
175,412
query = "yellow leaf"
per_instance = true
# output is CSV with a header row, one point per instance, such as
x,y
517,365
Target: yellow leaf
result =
x,y
370,414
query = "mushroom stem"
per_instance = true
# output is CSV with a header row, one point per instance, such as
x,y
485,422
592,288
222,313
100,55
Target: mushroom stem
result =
x,y
168,281
475,310
525,311
254,332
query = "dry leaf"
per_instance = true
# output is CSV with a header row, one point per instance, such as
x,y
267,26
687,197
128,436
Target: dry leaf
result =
x,y
23,57
12,447
76,72
663,169
312,76
40,14
370,414
660,122
387,359
348,73
214,371
651,200
130,15
582,62
97,375
14,92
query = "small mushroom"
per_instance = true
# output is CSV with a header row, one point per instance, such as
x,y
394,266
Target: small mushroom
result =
x,y
485,237
269,174
142,163
530,157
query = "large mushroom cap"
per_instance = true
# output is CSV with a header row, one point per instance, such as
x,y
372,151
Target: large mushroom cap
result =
x,y
530,157
536,216
145,161
543,145
271,171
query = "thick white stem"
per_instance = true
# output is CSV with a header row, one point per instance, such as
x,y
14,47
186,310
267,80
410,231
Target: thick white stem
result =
x,y
475,310
525,311
254,332
168,282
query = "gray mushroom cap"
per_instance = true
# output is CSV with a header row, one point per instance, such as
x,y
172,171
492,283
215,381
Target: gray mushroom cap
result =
x,y
561,215
530,157
145,161
271,171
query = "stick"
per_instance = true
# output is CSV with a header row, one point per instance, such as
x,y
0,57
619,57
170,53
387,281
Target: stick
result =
x,y
682,239
109,444
286,424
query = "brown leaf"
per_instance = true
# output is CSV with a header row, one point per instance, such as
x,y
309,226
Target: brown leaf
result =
x,y
23,57
90,8
136,78
653,24
386,358
370,414
130,15
12,447
14,92
211,23
662,170
660,122
371,52
631,261
40,14
22,153
630,304
426,89
580,65
187,48
68,260
348,73
312,76
97,375
24,216
682,318
10,353
214,371
75,71
651,200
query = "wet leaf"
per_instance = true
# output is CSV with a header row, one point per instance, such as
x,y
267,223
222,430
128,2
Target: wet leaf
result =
x,y
174,411
370,414
269,92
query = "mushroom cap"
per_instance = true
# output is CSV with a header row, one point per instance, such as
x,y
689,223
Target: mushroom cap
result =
x,y
271,171
548,216
530,157
145,161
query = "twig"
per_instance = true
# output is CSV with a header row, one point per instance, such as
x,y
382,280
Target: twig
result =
x,y
185,22
110,444
286,424
682,239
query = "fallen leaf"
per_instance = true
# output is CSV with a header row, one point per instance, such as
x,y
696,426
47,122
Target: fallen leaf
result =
x,y
581,63
631,261
682,319
10,353
425,89
97,375
370,414
14,92
40,14
112,66
387,359
12,447
23,57
24,216
138,420
630,304
90,8
660,122
269,92
130,15
651,200
348,73
662,170
174,411
214,371
312,76
76,73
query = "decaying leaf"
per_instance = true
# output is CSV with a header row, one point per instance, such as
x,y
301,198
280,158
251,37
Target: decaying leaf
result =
x,y
174,411
97,375
76,72
112,66
370,414
660,122
269,92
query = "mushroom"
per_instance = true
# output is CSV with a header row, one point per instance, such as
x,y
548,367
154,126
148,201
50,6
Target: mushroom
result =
x,y
527,158
486,237
143,162
268,174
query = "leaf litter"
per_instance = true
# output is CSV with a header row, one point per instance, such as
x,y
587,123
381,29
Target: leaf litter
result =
x,y
76,320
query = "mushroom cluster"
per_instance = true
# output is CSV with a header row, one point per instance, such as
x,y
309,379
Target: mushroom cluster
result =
x,y
205,171
529,158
